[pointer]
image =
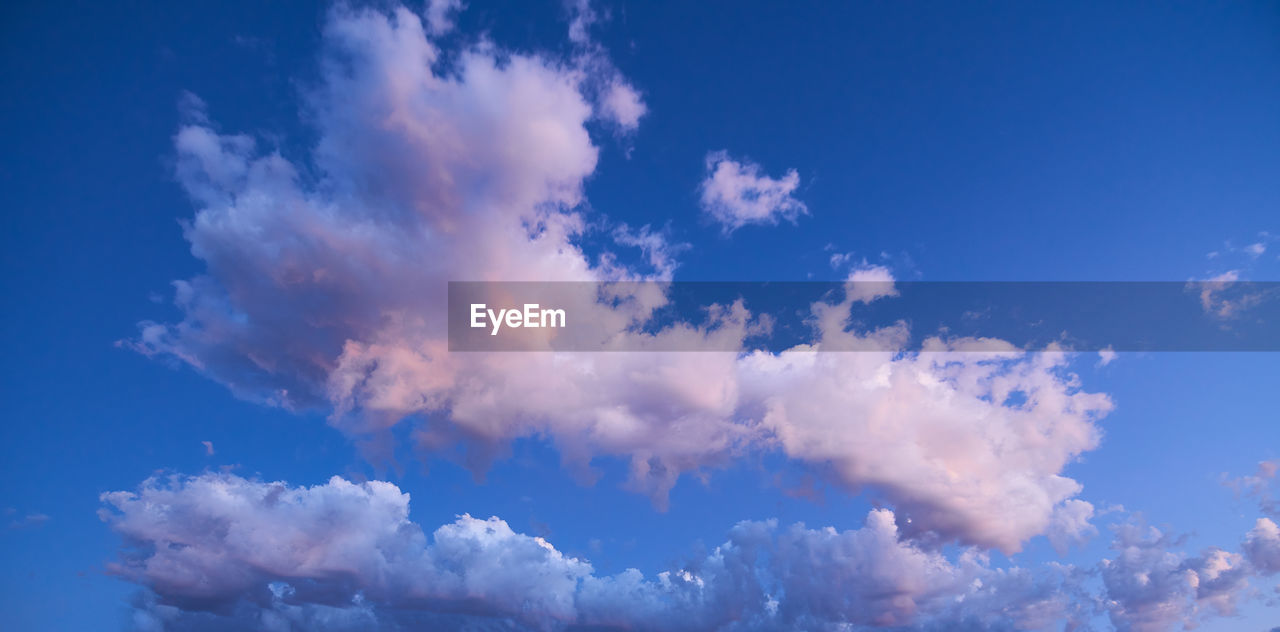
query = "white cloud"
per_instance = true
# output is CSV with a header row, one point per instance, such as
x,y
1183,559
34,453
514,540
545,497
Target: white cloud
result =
x,y
1211,291
1152,588
1261,486
1248,252
329,543
839,259
325,288
223,552
623,105
737,194
867,283
1221,292
1262,546
582,16
617,101
1107,356
1070,525
346,554
930,430
440,15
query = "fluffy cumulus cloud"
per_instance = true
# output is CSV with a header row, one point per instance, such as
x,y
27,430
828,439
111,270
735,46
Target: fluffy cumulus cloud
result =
x,y
932,432
326,280
1150,587
218,551
623,105
1262,546
209,543
738,193
867,283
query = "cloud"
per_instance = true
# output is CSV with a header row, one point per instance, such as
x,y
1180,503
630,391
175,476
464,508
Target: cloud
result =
x,y
737,194
871,577
622,104
217,551
838,259
582,16
1248,252
930,431
1070,525
218,547
1150,587
617,101
328,543
1221,292
867,283
1107,356
1261,486
30,520
325,279
1262,546
440,15
1212,295
1262,543
659,252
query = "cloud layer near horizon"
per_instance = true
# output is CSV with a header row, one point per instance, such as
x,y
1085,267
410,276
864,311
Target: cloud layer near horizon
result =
x,y
217,551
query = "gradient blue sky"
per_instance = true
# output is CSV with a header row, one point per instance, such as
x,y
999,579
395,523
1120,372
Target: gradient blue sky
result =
x,y
943,141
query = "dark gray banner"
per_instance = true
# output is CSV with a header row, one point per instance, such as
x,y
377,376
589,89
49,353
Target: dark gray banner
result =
x,y
864,316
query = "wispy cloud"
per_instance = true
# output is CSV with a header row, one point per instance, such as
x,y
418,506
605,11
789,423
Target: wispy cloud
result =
x,y
18,520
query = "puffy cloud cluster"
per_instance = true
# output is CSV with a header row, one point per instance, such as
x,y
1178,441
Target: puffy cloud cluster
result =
x,y
932,432
326,288
866,283
622,104
736,193
1262,546
218,551
209,541
1150,587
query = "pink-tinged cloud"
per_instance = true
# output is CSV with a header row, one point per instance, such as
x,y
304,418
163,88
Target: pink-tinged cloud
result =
x,y
738,193
325,289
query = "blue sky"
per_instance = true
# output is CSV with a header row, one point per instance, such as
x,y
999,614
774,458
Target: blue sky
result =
x,y
928,141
